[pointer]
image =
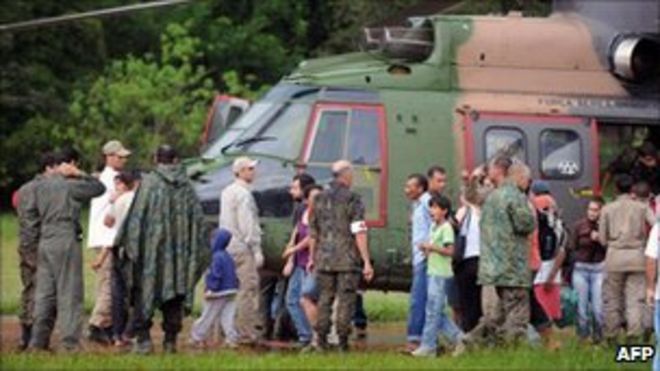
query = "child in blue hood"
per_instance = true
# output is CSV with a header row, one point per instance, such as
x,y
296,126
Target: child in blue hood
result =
x,y
219,295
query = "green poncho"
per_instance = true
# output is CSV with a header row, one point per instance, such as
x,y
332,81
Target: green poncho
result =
x,y
164,242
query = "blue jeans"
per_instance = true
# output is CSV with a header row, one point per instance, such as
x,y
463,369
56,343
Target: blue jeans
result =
x,y
588,283
656,358
416,313
437,321
293,296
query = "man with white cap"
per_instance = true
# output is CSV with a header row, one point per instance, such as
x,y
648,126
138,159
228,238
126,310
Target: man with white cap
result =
x,y
101,239
240,216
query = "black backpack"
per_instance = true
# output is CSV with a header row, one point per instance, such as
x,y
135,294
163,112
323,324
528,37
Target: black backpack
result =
x,y
547,238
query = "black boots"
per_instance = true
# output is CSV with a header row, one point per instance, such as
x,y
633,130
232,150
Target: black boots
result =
x,y
169,344
99,336
26,335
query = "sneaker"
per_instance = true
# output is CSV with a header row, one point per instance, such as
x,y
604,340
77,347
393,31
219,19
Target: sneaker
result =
x,y
423,351
459,348
197,345
143,347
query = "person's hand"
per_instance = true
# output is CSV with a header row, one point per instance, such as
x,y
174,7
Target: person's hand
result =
x,y
288,268
650,296
259,259
594,235
96,265
288,251
310,266
368,272
547,286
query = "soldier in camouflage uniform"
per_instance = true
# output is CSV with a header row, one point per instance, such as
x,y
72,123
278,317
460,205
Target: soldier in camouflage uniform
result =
x,y
59,290
506,222
338,245
29,223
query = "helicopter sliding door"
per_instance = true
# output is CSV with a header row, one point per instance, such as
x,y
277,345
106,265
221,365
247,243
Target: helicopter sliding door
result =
x,y
562,151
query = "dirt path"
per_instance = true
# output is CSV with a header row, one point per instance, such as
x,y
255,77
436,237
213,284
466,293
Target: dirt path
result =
x,y
381,336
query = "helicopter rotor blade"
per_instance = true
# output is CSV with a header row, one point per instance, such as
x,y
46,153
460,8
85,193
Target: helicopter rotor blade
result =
x,y
99,13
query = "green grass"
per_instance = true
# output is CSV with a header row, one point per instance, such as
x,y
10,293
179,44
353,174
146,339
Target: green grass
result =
x,y
380,306
573,357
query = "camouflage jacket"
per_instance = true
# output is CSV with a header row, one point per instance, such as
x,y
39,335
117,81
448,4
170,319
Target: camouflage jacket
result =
x,y
163,243
506,222
28,214
335,209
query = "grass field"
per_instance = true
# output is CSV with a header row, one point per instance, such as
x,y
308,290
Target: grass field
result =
x,y
380,306
570,358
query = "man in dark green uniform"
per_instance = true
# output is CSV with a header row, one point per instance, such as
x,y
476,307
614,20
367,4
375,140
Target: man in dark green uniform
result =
x,y
164,249
29,224
59,291
340,252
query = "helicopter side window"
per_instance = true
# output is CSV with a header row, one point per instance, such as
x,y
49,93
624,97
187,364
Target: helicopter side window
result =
x,y
560,154
330,137
505,141
351,132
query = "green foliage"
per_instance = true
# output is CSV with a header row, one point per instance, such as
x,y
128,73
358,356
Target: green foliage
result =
x,y
147,77
144,101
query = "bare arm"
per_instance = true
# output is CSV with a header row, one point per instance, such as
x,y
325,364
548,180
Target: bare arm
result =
x,y
559,260
651,268
362,244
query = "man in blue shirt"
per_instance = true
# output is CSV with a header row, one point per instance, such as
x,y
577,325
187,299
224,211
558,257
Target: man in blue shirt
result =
x,y
416,191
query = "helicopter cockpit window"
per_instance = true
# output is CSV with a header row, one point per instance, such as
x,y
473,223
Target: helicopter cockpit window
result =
x,y
352,133
505,141
560,154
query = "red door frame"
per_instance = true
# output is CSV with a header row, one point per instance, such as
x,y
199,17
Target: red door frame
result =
x,y
469,140
312,125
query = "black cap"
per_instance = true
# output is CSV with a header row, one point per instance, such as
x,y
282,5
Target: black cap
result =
x,y
166,154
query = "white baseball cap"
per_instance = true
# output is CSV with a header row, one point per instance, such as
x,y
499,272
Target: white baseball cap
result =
x,y
242,162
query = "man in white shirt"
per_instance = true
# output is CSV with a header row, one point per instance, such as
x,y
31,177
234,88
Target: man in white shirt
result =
x,y
652,287
240,216
101,238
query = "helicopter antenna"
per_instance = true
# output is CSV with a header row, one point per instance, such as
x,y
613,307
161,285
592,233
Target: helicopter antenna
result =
x,y
99,13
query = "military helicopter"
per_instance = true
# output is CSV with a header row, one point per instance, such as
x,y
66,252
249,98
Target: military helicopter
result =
x,y
563,93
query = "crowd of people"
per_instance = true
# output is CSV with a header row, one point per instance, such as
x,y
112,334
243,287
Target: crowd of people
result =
x,y
489,271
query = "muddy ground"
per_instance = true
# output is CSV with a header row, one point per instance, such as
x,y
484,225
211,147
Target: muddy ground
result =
x,y
381,336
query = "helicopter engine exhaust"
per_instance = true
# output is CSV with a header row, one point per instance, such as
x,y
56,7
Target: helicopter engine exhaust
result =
x,y
635,58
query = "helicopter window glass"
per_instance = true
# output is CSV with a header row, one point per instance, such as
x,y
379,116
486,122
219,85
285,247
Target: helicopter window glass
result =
x,y
330,137
283,133
505,141
364,138
560,154
234,113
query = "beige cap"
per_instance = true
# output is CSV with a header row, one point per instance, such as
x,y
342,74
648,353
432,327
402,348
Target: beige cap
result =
x,y
242,162
114,147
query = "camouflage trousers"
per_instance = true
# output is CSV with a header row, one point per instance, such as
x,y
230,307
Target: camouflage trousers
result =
x,y
623,303
28,268
506,315
342,286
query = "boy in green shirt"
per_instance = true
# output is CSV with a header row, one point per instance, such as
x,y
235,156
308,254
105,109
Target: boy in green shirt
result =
x,y
439,252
